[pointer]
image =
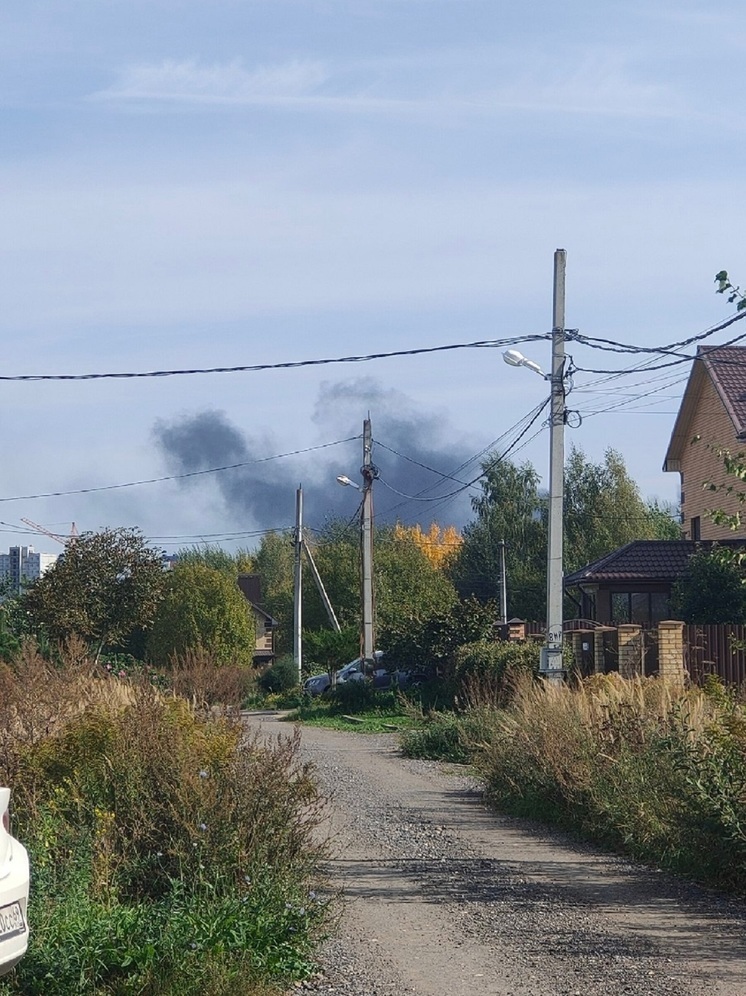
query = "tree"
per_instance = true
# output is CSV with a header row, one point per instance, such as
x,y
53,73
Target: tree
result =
x,y
202,609
711,590
510,510
438,544
104,586
603,510
232,564
410,589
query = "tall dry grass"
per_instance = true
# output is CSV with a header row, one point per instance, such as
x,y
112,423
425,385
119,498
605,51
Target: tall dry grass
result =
x,y
208,685
656,770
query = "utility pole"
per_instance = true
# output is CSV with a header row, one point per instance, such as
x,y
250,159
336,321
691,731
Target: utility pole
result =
x,y
334,622
298,585
503,585
551,655
369,472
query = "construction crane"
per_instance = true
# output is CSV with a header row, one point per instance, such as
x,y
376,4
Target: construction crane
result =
x,y
55,536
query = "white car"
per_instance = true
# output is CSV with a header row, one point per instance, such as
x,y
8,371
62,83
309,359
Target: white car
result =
x,y
320,683
14,890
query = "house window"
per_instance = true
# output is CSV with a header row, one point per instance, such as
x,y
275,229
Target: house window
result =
x,y
641,607
694,528
659,607
620,607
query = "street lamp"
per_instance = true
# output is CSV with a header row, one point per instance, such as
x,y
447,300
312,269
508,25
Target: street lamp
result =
x,y
515,359
346,482
550,664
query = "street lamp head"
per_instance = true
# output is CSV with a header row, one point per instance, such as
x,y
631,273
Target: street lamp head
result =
x,y
515,359
346,482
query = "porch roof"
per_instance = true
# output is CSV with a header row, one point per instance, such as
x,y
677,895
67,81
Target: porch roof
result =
x,y
644,560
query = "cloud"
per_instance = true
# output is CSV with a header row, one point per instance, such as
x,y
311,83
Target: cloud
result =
x,y
602,82
189,81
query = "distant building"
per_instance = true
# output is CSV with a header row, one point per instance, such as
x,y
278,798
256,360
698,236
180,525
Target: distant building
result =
x,y
251,589
23,563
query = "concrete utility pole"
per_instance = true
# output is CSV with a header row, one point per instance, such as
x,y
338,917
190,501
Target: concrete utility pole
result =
x,y
333,621
551,654
503,584
298,585
369,472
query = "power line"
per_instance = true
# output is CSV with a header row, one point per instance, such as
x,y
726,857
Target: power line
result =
x,y
682,358
468,484
611,345
180,477
288,365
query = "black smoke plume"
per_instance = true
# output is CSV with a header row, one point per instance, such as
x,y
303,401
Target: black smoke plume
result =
x,y
407,441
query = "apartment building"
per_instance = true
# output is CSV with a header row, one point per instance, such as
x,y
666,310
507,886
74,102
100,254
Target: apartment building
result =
x,y
22,564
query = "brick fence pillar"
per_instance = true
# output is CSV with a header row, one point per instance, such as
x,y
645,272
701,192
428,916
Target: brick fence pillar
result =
x,y
671,651
599,662
577,650
630,650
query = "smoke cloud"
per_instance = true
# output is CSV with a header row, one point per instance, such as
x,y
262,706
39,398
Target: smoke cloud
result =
x,y
406,441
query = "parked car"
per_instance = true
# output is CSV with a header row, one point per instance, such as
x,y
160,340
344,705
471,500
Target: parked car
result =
x,y
320,683
399,679
14,890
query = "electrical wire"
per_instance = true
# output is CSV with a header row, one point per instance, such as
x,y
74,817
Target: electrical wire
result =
x,y
685,358
479,476
466,463
288,365
611,345
180,477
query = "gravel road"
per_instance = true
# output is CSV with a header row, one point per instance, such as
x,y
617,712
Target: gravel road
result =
x,y
444,898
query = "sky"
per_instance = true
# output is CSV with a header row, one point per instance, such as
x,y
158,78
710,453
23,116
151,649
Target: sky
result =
x,y
223,183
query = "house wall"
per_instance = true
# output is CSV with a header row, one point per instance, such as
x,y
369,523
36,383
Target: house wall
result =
x,y
264,641
699,464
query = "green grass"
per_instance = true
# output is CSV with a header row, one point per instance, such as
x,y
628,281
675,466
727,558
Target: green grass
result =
x,y
372,711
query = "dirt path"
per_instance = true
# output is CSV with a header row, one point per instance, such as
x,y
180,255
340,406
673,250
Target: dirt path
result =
x,y
443,898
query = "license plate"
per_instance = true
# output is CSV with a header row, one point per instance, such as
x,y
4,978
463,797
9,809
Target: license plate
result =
x,y
11,921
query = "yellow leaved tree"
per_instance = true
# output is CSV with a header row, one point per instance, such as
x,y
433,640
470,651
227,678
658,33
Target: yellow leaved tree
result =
x,y
437,544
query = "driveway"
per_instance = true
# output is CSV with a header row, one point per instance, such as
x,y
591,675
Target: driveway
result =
x,y
445,898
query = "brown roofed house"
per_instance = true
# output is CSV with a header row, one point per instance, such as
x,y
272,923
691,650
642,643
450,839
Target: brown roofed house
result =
x,y
251,589
712,417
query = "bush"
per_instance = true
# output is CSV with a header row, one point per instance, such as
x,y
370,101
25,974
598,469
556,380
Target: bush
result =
x,y
282,676
355,697
440,738
197,677
486,669
170,854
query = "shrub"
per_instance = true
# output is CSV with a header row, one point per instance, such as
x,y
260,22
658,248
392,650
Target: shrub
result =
x,y
355,697
197,677
485,669
282,676
170,854
440,738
